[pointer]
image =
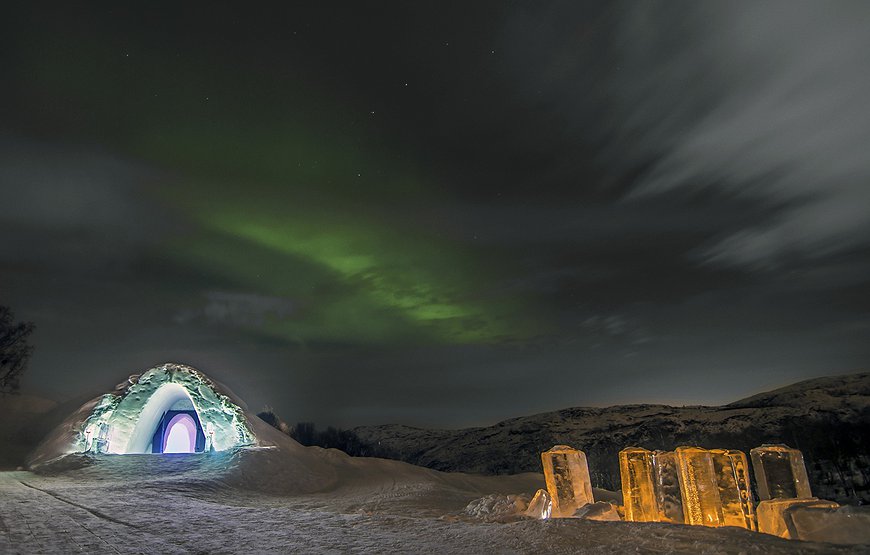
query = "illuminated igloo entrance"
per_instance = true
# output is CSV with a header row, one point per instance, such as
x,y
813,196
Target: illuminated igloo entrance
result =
x,y
178,429
169,409
178,432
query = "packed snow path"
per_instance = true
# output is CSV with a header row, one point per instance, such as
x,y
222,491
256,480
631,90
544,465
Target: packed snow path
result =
x,y
40,514
36,521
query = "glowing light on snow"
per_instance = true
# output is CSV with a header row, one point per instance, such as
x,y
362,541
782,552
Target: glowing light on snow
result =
x,y
181,436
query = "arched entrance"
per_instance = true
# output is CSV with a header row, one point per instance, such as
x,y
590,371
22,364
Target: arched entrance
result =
x,y
178,431
180,435
169,410
138,417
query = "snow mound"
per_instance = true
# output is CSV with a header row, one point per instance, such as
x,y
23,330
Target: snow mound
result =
x,y
257,458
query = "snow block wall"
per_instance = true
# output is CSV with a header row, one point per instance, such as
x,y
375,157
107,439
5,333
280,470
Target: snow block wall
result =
x,y
124,421
128,421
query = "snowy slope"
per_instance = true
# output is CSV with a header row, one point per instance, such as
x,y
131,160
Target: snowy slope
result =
x,y
281,497
293,499
827,418
68,514
21,426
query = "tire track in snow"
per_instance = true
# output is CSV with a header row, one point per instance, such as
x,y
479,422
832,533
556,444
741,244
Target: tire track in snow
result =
x,y
83,527
94,512
89,536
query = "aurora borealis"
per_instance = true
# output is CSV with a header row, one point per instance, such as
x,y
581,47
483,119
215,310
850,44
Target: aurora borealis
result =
x,y
280,191
377,212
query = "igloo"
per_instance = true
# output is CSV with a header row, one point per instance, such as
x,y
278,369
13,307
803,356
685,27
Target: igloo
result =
x,y
171,408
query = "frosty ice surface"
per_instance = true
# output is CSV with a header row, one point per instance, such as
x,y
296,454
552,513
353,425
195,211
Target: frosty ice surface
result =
x,y
101,443
567,475
650,486
847,525
702,504
775,515
666,484
600,510
638,492
734,493
541,506
780,473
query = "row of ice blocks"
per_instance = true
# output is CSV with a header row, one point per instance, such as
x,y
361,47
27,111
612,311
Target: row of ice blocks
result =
x,y
689,485
711,487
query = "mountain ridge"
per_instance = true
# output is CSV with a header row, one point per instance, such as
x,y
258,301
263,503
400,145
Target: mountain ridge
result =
x,y
827,418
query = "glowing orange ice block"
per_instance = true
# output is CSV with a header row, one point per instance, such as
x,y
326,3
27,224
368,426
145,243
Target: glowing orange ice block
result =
x,y
541,506
666,484
702,504
638,492
567,475
650,485
775,515
780,473
734,491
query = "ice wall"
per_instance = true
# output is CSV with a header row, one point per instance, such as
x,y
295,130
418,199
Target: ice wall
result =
x,y
125,423
124,420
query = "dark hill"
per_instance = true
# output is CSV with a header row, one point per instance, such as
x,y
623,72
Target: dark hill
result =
x,y
827,418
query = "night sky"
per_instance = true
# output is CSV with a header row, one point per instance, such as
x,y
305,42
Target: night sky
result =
x,y
439,213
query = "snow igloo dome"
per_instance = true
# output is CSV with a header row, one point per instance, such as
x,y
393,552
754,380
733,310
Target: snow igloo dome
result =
x,y
172,408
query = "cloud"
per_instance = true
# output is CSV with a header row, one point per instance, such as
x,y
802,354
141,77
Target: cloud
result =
x,y
786,120
756,102
239,309
73,207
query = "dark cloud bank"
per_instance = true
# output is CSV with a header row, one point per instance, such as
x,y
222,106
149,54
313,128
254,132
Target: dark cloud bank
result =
x,y
678,192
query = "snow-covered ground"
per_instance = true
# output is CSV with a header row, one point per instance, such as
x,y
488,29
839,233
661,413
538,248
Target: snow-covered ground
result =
x,y
281,497
308,500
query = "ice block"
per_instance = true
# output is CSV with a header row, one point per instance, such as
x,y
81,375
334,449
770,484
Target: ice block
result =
x,y
780,473
567,475
845,525
699,487
775,515
541,506
638,492
734,490
101,443
666,484
600,510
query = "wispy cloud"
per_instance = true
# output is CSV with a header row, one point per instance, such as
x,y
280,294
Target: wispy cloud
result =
x,y
239,309
763,102
74,207
784,118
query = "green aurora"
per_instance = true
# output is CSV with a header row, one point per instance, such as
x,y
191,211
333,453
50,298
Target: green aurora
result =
x,y
313,205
